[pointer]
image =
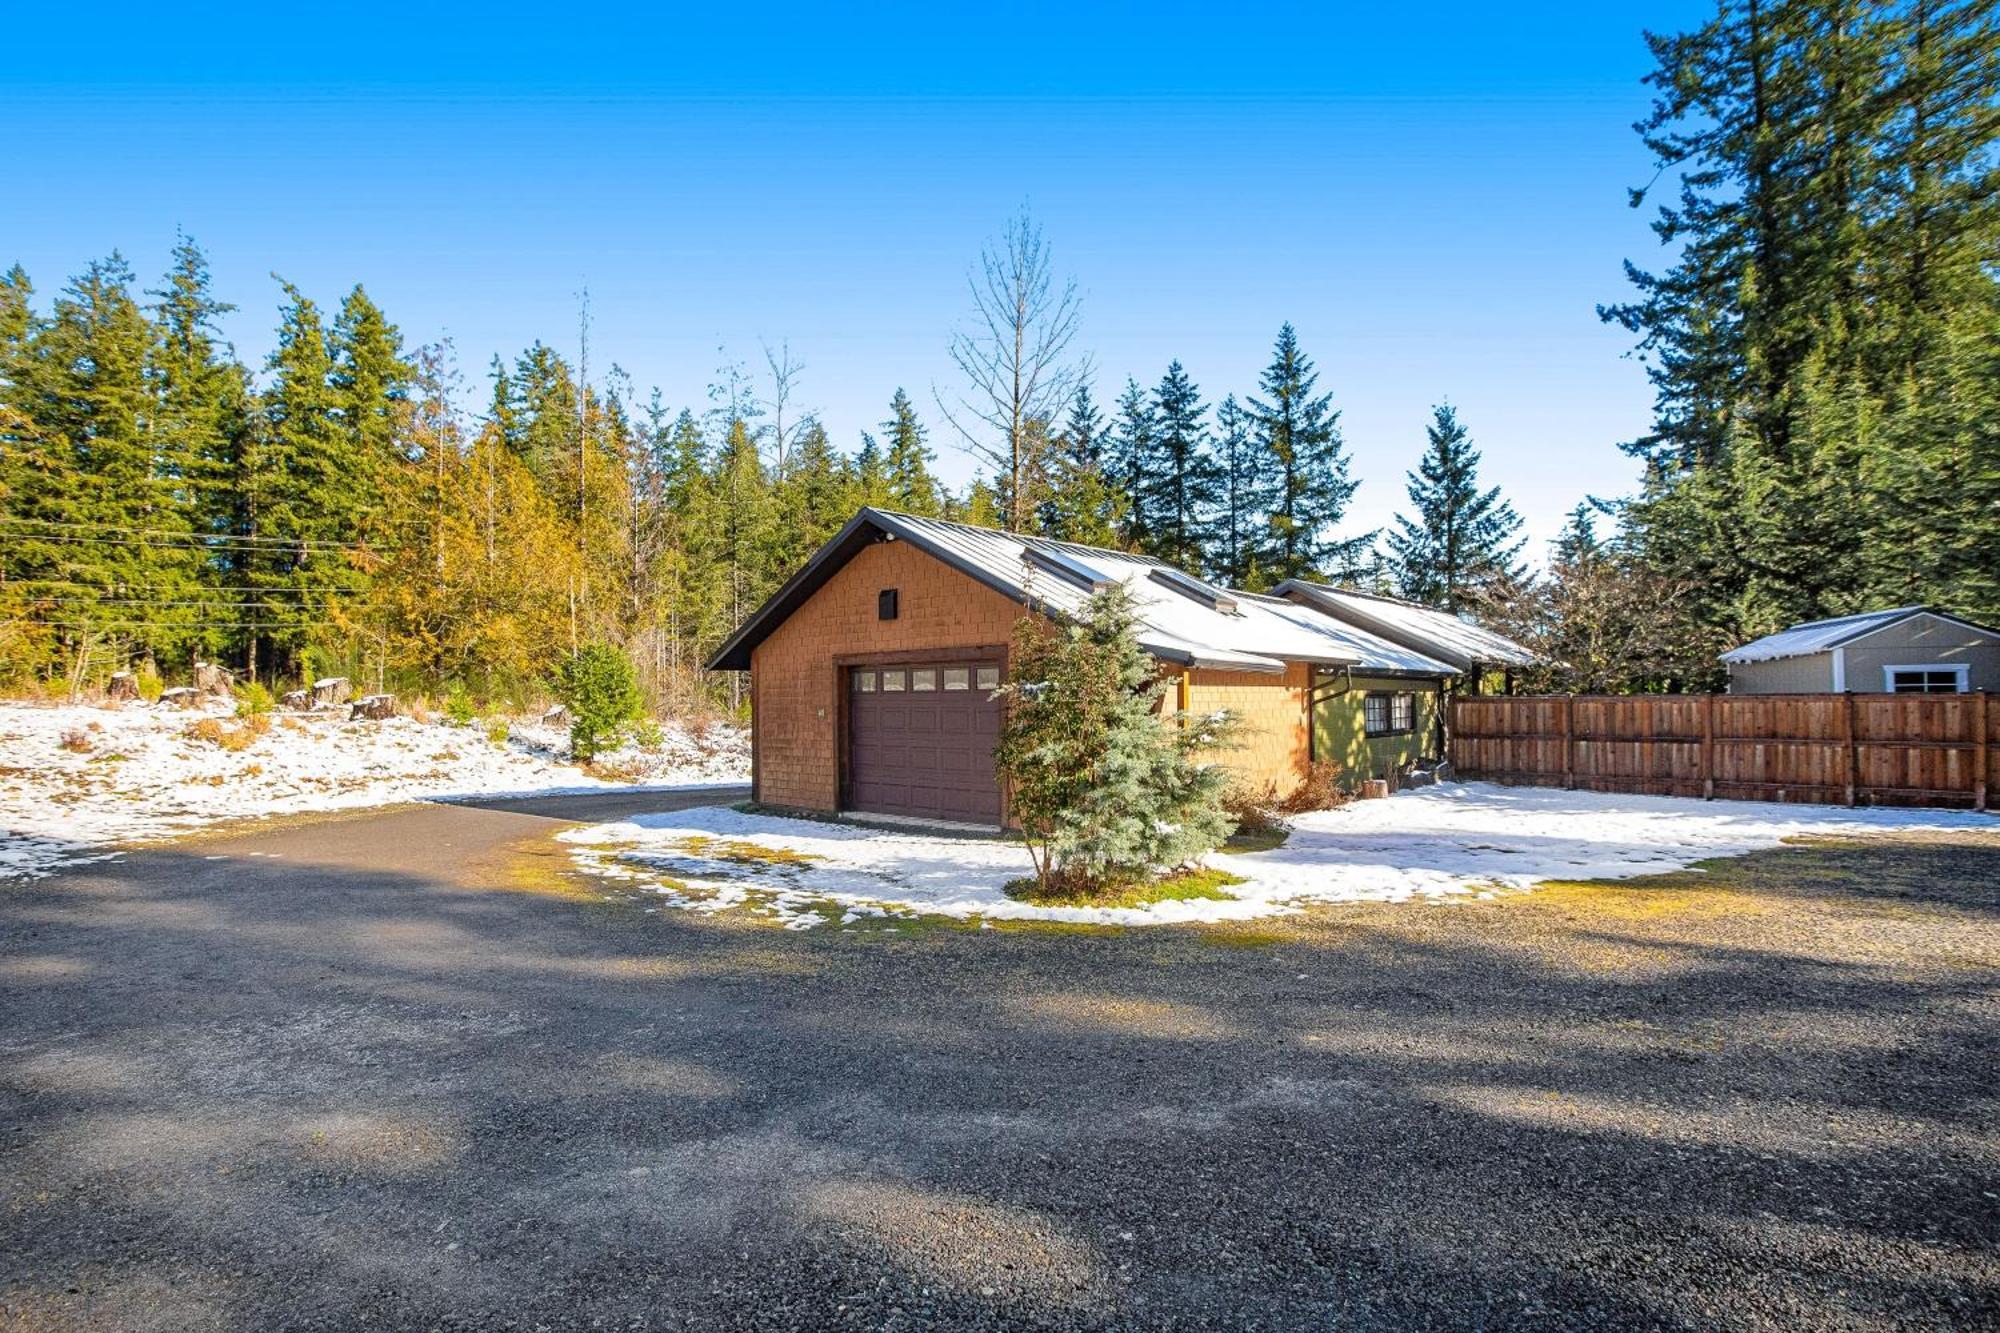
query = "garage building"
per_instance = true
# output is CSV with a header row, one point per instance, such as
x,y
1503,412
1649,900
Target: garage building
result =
x,y
872,668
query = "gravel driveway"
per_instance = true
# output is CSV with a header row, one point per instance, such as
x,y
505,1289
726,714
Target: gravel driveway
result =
x,y
396,1071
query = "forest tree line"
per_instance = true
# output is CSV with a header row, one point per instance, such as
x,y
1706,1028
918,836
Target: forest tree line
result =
x,y
336,511
1824,345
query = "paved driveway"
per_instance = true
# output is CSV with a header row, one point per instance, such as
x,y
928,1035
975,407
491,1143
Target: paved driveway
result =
x,y
389,1071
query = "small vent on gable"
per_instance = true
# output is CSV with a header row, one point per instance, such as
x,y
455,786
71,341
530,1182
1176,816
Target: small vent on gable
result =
x,y
1066,567
1192,588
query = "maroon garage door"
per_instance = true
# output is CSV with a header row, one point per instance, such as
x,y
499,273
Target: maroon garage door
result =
x,y
920,740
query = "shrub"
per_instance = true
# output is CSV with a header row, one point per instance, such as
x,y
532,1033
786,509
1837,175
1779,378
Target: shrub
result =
x,y
646,734
1258,812
496,730
76,740
211,731
1321,790
149,684
458,704
601,691
1106,790
252,699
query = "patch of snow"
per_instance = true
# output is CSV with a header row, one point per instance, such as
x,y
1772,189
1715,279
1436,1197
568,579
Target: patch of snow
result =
x,y
1439,842
143,778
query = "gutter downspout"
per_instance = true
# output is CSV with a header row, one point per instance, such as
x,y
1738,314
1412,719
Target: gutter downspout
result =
x,y
1840,671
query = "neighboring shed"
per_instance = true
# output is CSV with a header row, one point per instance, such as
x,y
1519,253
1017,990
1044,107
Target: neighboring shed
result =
x,y
1467,648
871,670
1904,650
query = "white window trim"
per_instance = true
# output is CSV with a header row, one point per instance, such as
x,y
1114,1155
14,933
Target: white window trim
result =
x,y
1963,670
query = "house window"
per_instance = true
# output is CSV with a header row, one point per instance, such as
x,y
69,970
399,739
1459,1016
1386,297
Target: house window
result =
x,y
885,604
1387,714
864,681
1936,678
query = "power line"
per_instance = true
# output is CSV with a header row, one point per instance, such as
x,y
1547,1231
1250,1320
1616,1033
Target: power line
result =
x,y
169,536
197,545
276,590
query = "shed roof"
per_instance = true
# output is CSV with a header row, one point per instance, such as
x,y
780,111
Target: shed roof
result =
x,y
1437,634
1233,631
1818,636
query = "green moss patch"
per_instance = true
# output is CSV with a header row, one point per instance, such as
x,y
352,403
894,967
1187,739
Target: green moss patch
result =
x,y
1203,883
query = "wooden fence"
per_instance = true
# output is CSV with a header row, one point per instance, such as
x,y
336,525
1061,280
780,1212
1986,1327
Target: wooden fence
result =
x,y
1851,749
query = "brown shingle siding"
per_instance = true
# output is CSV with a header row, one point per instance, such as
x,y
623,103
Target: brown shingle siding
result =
x,y
1272,713
795,678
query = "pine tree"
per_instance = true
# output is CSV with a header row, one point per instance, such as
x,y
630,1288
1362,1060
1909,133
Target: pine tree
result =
x,y
1183,477
1081,505
1106,789
1464,544
1130,453
371,381
1817,442
203,406
1242,514
304,504
1299,435
131,561
906,467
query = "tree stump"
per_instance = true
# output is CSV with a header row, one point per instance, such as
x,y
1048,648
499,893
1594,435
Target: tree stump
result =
x,y
212,679
1374,789
124,686
181,696
331,692
299,701
374,707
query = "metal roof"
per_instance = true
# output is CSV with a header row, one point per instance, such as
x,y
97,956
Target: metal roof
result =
x,y
1437,634
1253,634
1818,636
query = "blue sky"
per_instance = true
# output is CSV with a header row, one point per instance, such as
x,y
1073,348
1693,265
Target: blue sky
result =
x,y
1435,200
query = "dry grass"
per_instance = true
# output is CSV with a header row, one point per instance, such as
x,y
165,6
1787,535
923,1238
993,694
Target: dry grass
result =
x,y
213,731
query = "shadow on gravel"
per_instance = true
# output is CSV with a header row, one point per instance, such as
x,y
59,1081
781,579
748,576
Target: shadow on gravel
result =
x,y
252,1092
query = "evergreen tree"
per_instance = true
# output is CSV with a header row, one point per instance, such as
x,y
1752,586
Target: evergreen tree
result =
x,y
1082,504
1242,513
1130,452
1464,544
371,381
202,424
1300,437
1818,444
1106,789
1181,479
906,468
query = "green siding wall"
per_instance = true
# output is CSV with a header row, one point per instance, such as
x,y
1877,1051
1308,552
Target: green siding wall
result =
x,y
1338,736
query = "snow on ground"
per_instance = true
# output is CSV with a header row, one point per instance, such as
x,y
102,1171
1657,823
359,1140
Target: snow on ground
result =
x,y
135,774
1429,843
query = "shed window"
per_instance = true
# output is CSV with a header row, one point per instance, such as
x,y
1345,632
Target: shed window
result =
x,y
989,678
957,678
892,682
1939,678
923,678
864,681
1385,714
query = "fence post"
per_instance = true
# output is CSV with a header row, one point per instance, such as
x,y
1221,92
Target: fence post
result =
x,y
1981,734
1708,747
1569,742
1853,755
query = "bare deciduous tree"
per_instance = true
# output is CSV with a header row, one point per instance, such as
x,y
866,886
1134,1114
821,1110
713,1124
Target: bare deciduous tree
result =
x,y
784,376
1012,357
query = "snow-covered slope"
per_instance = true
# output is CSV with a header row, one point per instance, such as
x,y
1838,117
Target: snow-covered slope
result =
x,y
76,781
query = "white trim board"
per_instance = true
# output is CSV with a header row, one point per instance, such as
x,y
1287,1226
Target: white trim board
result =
x,y
1963,670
